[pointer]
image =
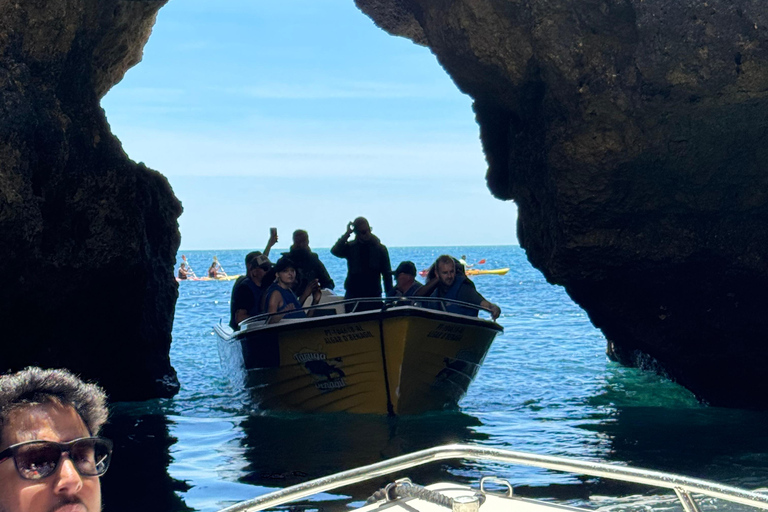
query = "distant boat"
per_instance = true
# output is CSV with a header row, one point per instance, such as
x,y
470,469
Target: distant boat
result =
x,y
396,359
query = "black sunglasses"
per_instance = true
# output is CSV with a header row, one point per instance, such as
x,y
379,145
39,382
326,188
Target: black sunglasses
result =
x,y
40,459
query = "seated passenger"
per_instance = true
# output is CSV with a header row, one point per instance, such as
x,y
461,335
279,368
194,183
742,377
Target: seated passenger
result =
x,y
247,292
308,264
183,272
248,289
280,297
405,280
449,284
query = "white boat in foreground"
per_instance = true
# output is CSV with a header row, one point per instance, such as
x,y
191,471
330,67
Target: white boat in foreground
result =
x,y
405,496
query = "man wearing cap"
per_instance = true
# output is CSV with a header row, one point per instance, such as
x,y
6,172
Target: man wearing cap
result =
x,y
248,289
51,457
405,280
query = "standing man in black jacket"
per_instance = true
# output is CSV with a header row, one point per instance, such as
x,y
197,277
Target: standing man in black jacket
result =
x,y
308,264
367,263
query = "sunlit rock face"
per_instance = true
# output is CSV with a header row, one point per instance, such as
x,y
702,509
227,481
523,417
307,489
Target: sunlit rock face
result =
x,y
87,237
633,136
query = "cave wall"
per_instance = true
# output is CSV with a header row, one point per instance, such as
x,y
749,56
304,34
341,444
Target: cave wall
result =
x,y
633,137
88,236
630,133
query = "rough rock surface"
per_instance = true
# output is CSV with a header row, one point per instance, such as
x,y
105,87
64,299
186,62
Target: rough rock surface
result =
x,y
633,136
87,236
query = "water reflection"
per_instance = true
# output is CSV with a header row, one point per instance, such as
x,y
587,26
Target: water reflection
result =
x,y
649,422
726,445
283,450
138,476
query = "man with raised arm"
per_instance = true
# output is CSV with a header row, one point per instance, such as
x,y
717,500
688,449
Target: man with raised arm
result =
x,y
50,456
248,289
449,284
367,263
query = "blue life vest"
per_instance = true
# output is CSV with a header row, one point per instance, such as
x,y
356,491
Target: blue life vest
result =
x,y
412,290
288,298
394,292
453,294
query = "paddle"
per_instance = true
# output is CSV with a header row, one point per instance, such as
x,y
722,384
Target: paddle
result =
x,y
480,262
221,269
190,272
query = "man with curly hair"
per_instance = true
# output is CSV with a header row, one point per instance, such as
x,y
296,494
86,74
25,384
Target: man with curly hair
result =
x,y
50,456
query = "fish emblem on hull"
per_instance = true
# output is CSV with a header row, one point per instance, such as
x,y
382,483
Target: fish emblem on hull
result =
x,y
328,376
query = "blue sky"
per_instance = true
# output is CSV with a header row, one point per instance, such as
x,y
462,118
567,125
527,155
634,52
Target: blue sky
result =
x,y
304,114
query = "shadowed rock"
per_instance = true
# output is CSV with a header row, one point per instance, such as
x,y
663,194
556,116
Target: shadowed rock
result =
x,y
632,134
88,237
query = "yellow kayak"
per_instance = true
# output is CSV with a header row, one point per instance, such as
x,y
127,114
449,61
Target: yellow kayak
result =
x,y
222,278
491,271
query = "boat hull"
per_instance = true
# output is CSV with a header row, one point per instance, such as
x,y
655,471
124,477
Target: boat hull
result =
x,y
400,360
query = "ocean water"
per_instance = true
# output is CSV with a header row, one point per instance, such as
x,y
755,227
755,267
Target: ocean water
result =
x,y
546,387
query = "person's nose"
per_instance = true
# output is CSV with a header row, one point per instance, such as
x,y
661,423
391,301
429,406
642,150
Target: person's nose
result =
x,y
68,480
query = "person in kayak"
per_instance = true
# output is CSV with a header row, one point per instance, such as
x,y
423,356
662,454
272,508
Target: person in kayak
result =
x,y
449,284
215,268
280,297
183,271
405,280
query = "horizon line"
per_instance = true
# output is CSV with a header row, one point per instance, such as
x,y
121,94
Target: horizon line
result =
x,y
388,247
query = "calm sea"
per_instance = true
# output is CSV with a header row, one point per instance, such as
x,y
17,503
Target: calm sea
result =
x,y
546,387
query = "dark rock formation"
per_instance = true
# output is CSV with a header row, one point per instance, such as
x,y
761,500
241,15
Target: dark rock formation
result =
x,y
88,237
633,136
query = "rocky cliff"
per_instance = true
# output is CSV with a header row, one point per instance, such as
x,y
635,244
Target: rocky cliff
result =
x,y
88,237
632,134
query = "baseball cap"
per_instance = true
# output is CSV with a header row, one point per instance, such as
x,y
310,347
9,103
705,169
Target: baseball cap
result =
x,y
407,267
257,259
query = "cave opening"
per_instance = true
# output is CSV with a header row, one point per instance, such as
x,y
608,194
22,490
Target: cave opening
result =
x,y
247,107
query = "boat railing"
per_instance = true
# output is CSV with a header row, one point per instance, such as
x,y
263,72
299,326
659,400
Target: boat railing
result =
x,y
683,486
368,304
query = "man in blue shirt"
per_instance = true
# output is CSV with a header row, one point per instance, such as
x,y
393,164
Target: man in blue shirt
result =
x,y
248,289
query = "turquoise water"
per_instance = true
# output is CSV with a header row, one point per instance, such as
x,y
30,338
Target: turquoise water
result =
x,y
546,387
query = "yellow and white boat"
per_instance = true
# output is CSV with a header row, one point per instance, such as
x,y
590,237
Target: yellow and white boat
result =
x,y
400,358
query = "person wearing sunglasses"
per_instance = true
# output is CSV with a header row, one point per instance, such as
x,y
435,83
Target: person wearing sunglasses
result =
x,y
51,457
